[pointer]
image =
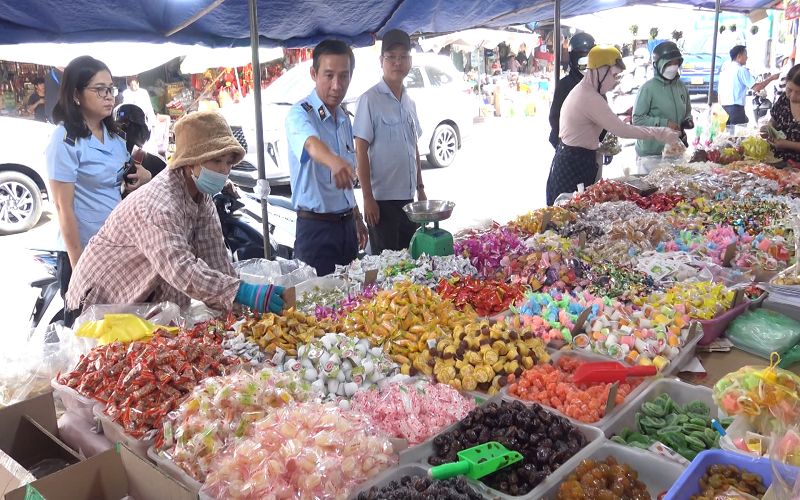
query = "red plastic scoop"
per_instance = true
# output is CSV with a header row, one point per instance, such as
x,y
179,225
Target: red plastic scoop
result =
x,y
609,372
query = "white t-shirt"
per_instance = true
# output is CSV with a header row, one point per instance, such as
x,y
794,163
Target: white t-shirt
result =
x,y
142,99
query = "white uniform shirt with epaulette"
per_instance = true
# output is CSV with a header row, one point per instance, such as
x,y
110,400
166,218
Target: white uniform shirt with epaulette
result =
x,y
391,127
96,168
313,186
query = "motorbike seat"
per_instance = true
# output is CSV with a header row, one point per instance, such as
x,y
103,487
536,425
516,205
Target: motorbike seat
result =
x,y
281,201
42,282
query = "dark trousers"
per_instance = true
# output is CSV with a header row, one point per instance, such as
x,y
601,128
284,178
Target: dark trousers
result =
x,y
323,245
394,229
63,275
571,166
736,114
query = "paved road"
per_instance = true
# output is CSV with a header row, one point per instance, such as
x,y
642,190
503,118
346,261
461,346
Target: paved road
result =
x,y
500,172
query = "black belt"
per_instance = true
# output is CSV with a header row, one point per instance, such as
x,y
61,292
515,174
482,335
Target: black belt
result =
x,y
342,217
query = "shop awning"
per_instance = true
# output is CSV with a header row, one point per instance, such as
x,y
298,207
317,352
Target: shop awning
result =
x,y
122,58
288,23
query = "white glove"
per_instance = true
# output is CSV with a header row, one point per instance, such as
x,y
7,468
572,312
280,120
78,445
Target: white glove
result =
x,y
262,188
666,135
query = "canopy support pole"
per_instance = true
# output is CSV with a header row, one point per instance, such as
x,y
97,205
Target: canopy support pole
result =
x,y
262,174
713,56
557,40
194,18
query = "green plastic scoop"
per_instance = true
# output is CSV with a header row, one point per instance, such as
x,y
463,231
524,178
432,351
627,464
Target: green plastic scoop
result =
x,y
477,462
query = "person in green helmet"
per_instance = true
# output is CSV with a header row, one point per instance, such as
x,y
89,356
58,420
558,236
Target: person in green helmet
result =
x,y
664,100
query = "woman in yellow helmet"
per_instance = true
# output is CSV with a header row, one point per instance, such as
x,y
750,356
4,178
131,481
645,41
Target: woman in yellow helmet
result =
x,y
584,115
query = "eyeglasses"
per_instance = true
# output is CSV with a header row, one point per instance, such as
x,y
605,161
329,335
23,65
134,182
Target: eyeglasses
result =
x,y
392,58
103,92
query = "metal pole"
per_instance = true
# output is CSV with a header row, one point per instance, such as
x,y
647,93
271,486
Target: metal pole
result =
x,y
713,56
557,40
259,121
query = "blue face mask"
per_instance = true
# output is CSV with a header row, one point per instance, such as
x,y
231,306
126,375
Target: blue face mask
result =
x,y
209,182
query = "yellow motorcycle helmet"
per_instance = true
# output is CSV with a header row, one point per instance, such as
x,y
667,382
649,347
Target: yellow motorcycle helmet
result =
x,y
606,55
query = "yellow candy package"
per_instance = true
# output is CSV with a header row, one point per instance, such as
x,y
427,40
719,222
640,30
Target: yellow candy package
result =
x,y
767,397
120,327
755,147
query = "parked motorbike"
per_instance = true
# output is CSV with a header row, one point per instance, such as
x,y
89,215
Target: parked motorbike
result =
x,y
49,306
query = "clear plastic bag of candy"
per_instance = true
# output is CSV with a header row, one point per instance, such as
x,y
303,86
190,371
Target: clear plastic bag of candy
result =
x,y
763,331
767,397
784,457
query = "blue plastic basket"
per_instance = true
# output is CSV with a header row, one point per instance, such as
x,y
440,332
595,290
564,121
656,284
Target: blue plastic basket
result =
x,y
688,484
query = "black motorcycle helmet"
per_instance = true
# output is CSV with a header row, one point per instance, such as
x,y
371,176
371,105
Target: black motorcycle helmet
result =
x,y
132,120
666,51
581,43
579,46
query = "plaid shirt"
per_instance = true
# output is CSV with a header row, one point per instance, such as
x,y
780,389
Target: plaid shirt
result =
x,y
157,245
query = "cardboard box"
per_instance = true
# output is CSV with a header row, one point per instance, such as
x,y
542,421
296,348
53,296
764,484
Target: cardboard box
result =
x,y
112,475
28,436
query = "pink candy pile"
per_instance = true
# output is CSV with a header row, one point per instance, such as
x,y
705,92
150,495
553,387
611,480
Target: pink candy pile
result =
x,y
414,412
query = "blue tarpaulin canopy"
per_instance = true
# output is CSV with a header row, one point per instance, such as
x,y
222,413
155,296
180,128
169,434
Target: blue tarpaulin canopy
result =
x,y
287,23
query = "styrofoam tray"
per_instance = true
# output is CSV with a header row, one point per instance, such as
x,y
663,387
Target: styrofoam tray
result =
x,y
74,401
603,423
680,392
116,434
420,454
173,470
659,474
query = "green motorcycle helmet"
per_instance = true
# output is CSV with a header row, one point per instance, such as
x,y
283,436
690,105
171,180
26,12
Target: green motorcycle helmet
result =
x,y
665,52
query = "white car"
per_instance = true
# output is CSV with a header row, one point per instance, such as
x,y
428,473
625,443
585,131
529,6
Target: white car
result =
x,y
444,104
23,176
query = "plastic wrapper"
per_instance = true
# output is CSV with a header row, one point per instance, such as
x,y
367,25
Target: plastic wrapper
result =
x,y
785,461
163,313
487,250
552,316
281,333
734,494
675,266
767,397
301,451
511,347
120,328
222,410
674,151
338,366
398,266
29,364
756,148
280,272
140,383
610,145
414,410
698,300
486,297
763,331
635,335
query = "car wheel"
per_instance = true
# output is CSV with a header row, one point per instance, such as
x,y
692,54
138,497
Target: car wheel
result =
x,y
20,203
444,145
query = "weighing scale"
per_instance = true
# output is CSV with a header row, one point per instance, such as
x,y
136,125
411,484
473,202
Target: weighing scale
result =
x,y
427,240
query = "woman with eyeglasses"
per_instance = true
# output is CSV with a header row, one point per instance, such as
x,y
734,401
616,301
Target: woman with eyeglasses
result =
x,y
85,160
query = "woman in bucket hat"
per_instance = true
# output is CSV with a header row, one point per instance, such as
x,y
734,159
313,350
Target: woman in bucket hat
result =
x,y
165,243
